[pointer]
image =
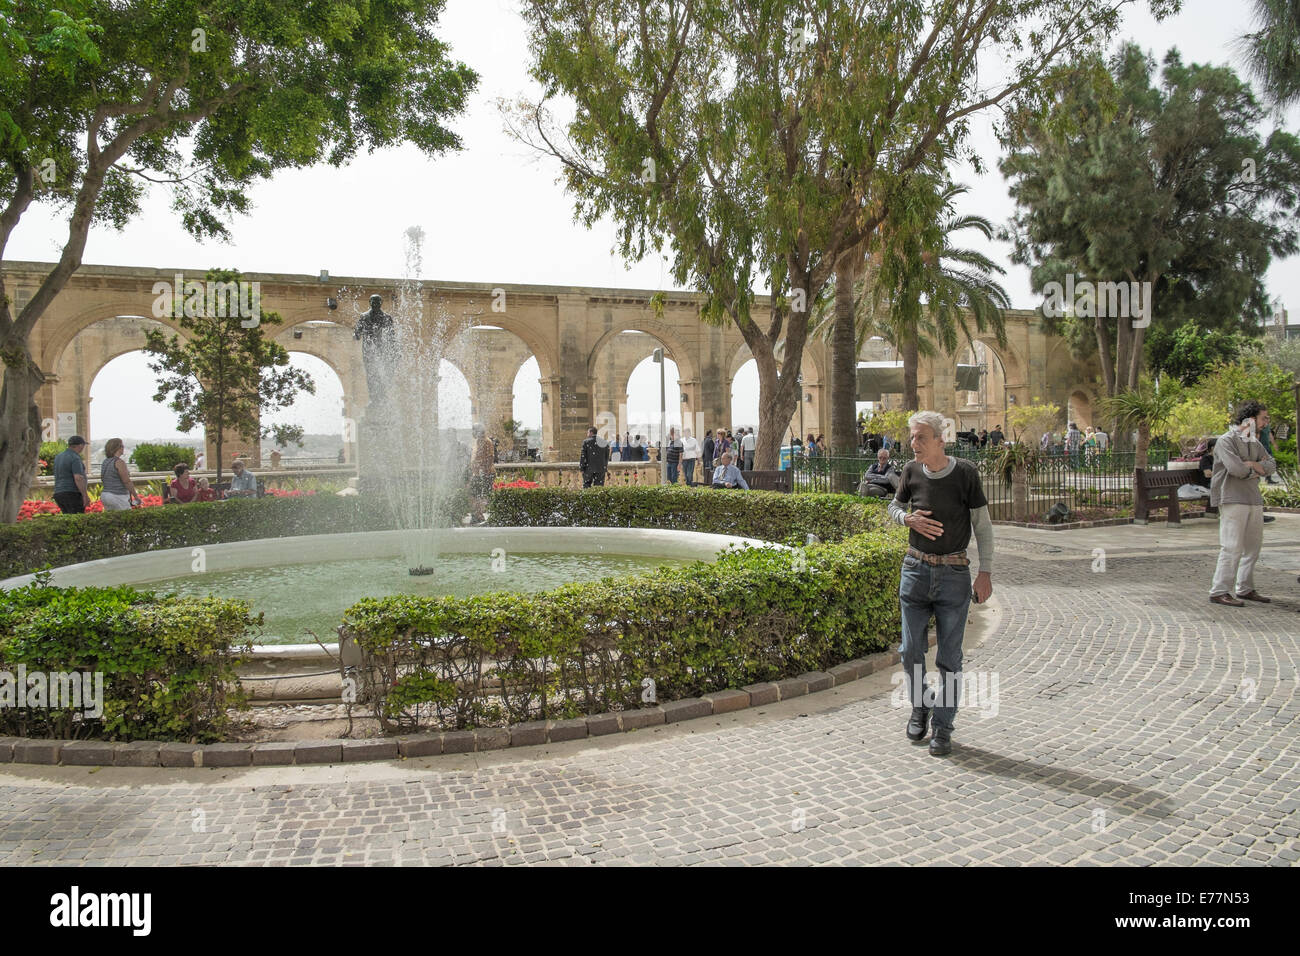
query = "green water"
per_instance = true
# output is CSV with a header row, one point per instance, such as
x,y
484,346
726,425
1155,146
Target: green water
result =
x,y
299,598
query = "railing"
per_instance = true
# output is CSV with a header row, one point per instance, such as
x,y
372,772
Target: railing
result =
x,y
1080,481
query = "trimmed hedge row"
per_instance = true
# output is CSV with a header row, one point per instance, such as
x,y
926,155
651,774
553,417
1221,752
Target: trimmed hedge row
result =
x,y
167,665
755,615
769,515
57,540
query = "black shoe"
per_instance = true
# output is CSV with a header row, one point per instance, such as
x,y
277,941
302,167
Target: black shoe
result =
x,y
1269,518
941,742
918,723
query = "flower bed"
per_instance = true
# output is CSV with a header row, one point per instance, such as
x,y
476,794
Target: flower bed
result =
x,y
32,508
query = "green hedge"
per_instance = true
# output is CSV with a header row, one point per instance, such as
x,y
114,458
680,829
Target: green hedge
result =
x,y
167,664
769,515
56,540
151,457
754,615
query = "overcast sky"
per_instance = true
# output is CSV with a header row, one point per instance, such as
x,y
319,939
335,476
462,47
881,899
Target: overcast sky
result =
x,y
492,213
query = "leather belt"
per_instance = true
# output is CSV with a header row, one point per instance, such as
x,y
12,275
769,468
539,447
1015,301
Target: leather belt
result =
x,y
957,557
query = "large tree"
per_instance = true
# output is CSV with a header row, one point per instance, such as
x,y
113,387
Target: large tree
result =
x,y
99,98
762,141
225,373
1163,182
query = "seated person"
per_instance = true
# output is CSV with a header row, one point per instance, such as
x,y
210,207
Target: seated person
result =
x,y
881,479
727,475
183,488
243,484
206,492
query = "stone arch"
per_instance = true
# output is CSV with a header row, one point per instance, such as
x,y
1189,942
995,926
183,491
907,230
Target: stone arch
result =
x,y
1078,408
548,359
66,330
81,359
675,347
490,354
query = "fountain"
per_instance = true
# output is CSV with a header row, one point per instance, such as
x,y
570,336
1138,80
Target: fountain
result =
x,y
416,465
402,354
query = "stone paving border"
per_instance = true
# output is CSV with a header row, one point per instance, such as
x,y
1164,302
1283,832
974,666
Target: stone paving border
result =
x,y
152,753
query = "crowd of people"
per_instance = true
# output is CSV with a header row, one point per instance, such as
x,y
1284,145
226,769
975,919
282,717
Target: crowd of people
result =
x,y
687,459
117,488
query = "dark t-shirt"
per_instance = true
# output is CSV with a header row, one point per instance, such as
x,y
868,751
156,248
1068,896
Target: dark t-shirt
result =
x,y
67,465
949,500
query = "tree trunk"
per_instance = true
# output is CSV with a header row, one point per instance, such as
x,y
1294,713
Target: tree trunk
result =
x,y
1103,350
776,403
20,430
1020,494
911,361
1144,439
844,377
844,366
1135,359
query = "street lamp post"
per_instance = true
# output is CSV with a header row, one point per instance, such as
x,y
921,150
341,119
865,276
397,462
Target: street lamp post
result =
x,y
663,417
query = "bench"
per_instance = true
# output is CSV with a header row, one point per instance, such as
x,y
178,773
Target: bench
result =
x,y
1151,486
767,480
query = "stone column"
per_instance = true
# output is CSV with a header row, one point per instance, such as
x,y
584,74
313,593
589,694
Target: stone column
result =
x,y
574,410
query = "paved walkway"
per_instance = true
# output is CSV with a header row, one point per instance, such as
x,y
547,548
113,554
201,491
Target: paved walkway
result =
x,y
1134,723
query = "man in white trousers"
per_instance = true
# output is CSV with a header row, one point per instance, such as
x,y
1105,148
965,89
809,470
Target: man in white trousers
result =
x,y
1240,460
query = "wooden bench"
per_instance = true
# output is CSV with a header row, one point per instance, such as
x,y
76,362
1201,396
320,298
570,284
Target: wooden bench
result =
x,y
767,480
1151,486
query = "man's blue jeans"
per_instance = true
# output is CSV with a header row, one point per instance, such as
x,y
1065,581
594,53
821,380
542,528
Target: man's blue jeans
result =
x,y
941,590
672,473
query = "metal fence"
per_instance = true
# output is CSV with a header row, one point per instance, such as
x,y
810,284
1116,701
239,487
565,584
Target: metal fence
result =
x,y
1080,481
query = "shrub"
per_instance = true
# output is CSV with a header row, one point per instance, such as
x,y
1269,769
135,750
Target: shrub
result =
x,y
168,664
755,615
151,457
67,539
49,449
768,515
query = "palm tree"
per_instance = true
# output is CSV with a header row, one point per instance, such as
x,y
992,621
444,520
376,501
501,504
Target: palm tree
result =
x,y
917,289
1146,408
1273,51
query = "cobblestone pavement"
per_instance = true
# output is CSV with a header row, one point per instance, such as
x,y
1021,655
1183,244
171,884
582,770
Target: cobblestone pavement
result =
x,y
1135,723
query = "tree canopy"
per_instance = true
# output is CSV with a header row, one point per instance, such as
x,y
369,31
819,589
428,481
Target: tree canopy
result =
x,y
1161,181
225,373
101,98
760,142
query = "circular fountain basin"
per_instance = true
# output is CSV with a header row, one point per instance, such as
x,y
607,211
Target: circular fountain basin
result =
x,y
603,547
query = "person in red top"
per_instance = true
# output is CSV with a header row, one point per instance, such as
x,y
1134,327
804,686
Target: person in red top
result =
x,y
183,487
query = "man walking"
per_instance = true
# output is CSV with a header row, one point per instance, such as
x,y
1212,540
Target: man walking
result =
x,y
70,492
1240,460
594,461
948,505
747,448
674,455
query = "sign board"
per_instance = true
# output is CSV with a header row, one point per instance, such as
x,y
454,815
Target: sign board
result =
x,y
67,424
